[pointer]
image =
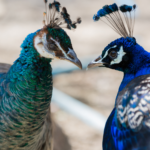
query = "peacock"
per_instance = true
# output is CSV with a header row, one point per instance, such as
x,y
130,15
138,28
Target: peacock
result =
x,y
26,88
128,126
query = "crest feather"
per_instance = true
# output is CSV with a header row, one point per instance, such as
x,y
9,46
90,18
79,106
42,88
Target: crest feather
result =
x,y
58,17
120,19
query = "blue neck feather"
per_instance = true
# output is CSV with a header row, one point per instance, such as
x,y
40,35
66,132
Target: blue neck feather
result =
x,y
140,66
130,76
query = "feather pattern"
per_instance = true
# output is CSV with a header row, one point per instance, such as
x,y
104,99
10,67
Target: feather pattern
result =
x,y
133,104
123,138
22,120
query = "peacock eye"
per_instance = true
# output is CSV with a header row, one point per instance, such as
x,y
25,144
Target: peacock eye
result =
x,y
113,54
51,45
54,45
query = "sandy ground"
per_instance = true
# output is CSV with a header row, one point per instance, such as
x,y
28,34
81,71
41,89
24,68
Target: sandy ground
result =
x,y
96,87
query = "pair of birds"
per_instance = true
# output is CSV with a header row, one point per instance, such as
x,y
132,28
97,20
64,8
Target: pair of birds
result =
x,y
26,89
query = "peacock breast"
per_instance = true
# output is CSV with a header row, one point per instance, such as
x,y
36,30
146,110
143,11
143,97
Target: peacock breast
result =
x,y
25,99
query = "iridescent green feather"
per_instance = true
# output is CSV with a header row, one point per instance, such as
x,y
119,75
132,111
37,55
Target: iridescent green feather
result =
x,y
25,94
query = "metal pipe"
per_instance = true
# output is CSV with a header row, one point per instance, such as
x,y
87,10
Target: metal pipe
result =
x,y
79,110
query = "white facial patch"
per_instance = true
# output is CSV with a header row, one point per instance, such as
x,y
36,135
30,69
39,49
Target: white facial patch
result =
x,y
121,53
107,51
42,50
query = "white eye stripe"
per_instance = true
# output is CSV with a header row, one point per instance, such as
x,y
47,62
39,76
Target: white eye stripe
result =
x,y
58,44
121,53
107,51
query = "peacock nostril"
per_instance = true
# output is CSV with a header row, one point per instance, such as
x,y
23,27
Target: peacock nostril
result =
x,y
69,55
97,59
96,62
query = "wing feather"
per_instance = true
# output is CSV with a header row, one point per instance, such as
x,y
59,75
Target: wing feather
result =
x,y
133,104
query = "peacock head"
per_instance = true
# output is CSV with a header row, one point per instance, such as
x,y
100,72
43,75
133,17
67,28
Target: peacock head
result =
x,y
52,41
123,54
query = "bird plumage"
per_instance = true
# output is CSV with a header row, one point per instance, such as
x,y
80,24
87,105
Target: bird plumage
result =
x,y
60,141
128,126
26,89
25,95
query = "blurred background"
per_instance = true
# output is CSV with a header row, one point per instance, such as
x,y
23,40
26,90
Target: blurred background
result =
x,y
97,87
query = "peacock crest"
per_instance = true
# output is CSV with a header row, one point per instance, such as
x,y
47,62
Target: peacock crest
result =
x,y
120,19
56,16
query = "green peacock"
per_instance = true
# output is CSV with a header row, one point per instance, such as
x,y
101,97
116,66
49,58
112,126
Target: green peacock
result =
x,y
26,89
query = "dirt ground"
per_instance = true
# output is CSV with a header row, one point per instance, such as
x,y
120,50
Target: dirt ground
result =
x,y
95,87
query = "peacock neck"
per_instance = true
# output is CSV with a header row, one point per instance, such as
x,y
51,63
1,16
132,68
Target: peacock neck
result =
x,y
29,83
31,74
140,65
130,76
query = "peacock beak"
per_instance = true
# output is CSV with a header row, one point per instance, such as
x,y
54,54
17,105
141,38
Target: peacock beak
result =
x,y
67,54
72,57
96,62
77,62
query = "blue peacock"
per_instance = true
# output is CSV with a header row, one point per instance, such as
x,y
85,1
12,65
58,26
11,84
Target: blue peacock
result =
x,y
128,126
26,89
